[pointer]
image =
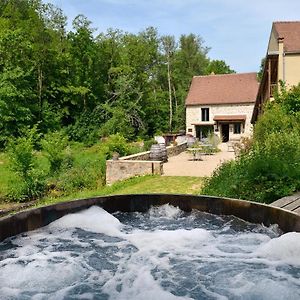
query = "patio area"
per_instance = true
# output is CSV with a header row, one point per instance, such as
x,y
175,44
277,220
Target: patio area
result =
x,y
183,165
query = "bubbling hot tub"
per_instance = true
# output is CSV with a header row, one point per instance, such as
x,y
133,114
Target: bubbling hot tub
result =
x,y
151,246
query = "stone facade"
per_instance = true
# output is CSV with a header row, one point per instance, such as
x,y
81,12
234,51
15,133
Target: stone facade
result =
x,y
193,118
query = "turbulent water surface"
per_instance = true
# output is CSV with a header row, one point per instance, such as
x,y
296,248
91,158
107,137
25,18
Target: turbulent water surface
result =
x,y
162,254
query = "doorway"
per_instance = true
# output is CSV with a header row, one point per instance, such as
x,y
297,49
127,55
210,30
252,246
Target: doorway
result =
x,y
225,133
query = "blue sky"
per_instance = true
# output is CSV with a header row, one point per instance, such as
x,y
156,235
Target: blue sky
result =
x,y
236,30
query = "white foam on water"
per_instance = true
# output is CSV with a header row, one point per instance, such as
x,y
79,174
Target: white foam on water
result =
x,y
241,286
128,263
37,273
284,249
269,289
94,219
169,240
165,211
138,283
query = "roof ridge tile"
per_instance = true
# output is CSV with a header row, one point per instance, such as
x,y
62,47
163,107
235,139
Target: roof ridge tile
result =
x,y
231,74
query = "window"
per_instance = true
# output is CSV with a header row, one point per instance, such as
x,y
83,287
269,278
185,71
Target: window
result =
x,y
237,128
204,114
190,130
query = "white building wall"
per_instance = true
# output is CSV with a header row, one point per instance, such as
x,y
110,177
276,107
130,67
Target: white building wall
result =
x,y
193,116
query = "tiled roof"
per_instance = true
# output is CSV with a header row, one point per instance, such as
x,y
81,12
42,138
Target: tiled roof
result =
x,y
290,33
223,89
230,117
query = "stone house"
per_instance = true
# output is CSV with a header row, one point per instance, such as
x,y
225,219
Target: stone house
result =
x,y
221,104
282,62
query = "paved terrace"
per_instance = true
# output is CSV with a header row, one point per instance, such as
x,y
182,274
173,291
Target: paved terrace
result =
x,y
182,165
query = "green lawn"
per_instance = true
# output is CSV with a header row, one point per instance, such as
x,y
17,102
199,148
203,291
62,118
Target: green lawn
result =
x,y
162,184
139,185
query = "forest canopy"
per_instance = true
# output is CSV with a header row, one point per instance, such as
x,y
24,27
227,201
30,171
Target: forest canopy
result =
x,y
92,85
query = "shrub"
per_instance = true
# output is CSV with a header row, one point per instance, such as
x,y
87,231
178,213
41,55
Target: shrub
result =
x,y
243,147
87,173
274,120
258,176
148,144
117,143
33,187
214,140
24,163
289,100
54,145
21,156
223,182
270,168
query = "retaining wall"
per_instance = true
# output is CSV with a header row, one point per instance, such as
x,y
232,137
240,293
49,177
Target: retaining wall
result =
x,y
175,150
138,164
138,156
117,170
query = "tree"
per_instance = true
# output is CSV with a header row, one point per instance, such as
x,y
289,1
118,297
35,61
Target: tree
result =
x,y
17,97
53,79
261,69
191,58
168,45
123,112
218,67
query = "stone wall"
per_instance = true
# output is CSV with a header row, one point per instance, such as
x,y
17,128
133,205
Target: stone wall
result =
x,y
175,150
171,150
117,170
138,156
138,164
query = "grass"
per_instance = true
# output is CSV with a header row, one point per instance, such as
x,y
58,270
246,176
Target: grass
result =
x,y
138,185
162,184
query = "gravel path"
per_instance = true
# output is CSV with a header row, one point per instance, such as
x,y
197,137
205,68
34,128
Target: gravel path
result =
x,y
182,165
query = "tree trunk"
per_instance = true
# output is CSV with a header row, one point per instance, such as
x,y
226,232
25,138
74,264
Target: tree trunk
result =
x,y
170,94
175,98
40,87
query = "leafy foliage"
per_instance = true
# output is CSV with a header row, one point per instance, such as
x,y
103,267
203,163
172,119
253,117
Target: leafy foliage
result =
x,y
91,85
101,90
30,179
261,69
60,168
270,168
54,146
218,67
